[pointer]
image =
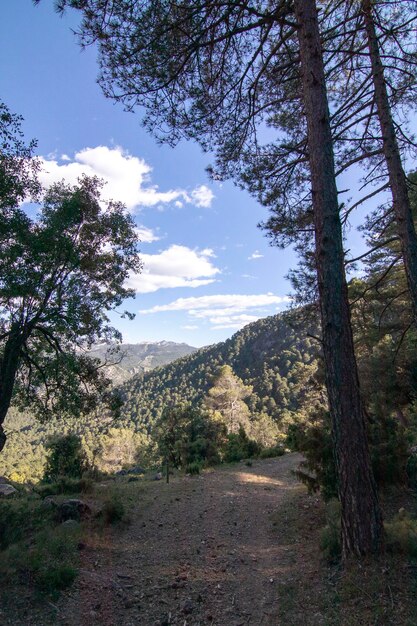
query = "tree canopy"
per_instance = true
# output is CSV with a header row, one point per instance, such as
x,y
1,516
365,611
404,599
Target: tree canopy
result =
x,y
60,274
226,397
18,167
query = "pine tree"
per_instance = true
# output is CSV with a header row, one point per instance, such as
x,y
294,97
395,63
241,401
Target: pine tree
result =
x,y
215,72
227,397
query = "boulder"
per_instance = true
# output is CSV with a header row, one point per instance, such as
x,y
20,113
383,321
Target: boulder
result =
x,y
49,503
158,476
137,470
131,470
73,509
7,490
70,523
3,480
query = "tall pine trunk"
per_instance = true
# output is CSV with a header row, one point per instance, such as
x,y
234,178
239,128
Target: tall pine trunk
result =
x,y
396,174
361,517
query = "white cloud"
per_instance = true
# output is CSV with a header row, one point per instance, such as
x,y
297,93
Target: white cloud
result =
x,y
190,327
127,178
202,196
255,255
232,321
146,235
177,266
208,252
224,311
237,302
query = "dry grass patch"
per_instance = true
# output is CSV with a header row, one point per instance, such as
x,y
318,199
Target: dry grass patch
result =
x,y
314,591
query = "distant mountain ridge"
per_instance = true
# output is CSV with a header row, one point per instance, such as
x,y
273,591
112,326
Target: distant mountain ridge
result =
x,y
138,358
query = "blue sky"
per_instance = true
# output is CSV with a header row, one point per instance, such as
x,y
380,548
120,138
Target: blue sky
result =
x,y
208,269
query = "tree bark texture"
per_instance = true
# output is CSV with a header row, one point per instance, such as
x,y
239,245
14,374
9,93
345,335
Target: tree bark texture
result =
x,y
396,174
361,516
8,368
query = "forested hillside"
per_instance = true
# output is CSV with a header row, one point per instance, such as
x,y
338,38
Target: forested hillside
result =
x,y
274,355
24,456
277,360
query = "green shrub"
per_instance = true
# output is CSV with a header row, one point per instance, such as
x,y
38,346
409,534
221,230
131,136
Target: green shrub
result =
x,y
389,448
11,524
187,434
252,448
55,579
193,468
272,451
66,458
401,534
234,450
314,441
20,518
51,560
239,447
113,511
202,449
388,442
43,555
330,538
66,485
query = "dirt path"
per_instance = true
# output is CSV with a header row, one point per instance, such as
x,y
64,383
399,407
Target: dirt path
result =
x,y
201,551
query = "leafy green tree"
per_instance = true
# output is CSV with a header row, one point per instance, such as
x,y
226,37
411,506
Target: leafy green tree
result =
x,y
60,274
186,434
264,431
240,446
205,439
119,448
170,432
66,458
227,396
18,167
